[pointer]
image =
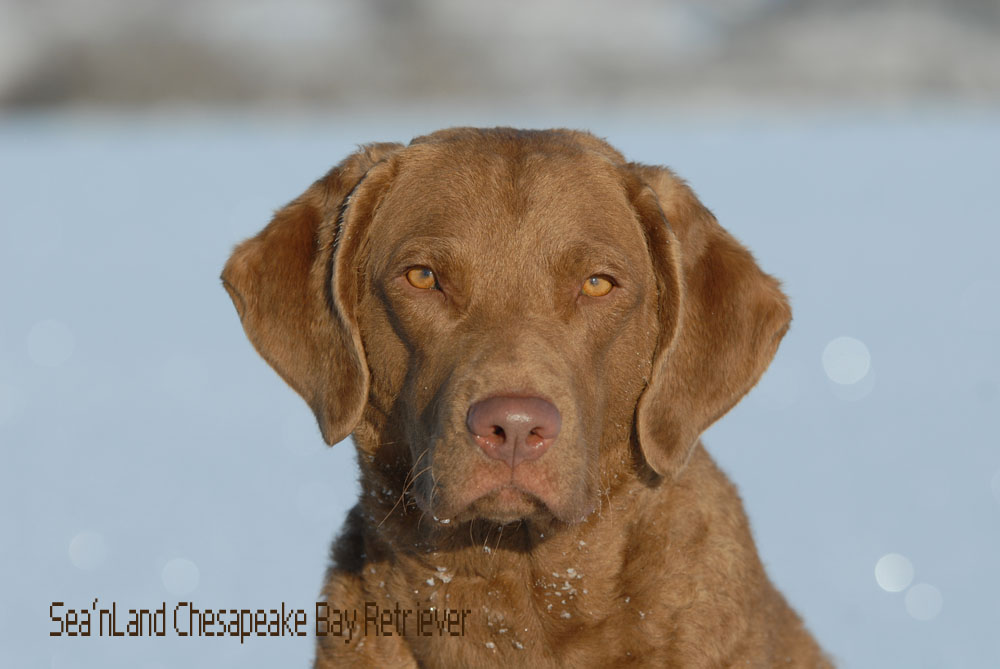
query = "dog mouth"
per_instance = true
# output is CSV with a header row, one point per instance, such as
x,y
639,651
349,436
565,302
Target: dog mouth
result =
x,y
501,501
503,504
506,504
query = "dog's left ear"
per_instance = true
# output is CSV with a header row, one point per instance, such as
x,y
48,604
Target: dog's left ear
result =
x,y
721,319
295,286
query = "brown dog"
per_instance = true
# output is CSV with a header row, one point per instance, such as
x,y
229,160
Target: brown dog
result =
x,y
526,335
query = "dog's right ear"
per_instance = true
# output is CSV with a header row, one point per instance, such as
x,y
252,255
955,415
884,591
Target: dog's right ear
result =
x,y
297,309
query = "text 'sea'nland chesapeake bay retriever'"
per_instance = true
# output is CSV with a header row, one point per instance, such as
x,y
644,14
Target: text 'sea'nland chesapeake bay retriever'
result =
x,y
526,335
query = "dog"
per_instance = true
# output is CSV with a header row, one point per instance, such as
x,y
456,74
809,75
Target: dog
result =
x,y
526,335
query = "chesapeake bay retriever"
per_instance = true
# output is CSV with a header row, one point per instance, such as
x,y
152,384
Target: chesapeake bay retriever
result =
x,y
526,336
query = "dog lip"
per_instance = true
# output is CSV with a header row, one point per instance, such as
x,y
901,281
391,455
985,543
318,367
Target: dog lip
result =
x,y
506,500
507,490
511,491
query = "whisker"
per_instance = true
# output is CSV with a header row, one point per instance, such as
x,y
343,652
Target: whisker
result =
x,y
497,545
402,494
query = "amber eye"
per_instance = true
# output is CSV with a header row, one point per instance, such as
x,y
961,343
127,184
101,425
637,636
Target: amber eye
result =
x,y
597,286
422,277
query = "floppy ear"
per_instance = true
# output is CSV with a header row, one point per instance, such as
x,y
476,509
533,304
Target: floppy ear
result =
x,y
721,320
296,309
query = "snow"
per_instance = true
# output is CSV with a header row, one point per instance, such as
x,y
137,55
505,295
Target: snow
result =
x,y
148,451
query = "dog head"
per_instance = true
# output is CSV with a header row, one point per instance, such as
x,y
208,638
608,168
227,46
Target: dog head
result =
x,y
507,319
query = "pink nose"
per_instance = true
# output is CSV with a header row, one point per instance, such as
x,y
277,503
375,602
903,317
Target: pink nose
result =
x,y
514,429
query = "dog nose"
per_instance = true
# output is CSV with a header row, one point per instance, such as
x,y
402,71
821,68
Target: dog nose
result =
x,y
514,429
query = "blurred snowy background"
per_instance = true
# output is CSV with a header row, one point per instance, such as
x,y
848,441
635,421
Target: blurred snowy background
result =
x,y
149,455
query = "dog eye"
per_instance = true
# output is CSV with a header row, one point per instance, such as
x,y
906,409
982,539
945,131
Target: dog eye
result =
x,y
597,286
422,277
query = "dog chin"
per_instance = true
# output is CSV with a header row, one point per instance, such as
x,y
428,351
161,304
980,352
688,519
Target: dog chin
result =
x,y
507,505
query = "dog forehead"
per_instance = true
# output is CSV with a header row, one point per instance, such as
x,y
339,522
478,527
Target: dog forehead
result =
x,y
517,192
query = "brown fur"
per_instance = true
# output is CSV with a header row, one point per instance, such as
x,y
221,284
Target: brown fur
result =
x,y
632,548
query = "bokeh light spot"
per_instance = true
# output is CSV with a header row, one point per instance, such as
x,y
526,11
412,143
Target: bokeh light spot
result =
x,y
846,360
180,576
88,550
893,572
